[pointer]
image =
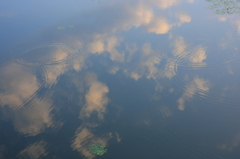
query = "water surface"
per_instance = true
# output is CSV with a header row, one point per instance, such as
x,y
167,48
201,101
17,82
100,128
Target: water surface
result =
x,y
146,79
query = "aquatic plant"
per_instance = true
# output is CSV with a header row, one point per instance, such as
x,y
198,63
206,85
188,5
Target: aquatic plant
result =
x,y
97,149
225,6
60,27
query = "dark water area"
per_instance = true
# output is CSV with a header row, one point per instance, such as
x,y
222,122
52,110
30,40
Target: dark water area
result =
x,y
136,79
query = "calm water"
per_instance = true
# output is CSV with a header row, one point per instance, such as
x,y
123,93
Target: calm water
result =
x,y
148,79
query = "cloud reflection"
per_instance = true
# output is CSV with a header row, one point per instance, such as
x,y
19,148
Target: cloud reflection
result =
x,y
84,138
104,43
159,25
95,103
96,98
34,151
141,14
32,114
198,56
20,83
180,46
198,85
29,114
34,118
17,84
106,40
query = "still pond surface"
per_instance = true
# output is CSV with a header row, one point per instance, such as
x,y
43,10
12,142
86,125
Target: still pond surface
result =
x,y
132,79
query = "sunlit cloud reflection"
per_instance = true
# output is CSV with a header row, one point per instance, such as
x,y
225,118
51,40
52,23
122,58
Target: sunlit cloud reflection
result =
x,y
95,103
96,98
198,85
34,118
17,84
30,115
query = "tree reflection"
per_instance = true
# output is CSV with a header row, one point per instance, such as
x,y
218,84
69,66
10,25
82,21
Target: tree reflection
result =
x,y
225,6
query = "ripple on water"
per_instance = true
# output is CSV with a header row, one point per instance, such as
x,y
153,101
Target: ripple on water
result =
x,y
198,62
201,56
34,117
48,61
207,88
25,98
18,85
47,54
37,68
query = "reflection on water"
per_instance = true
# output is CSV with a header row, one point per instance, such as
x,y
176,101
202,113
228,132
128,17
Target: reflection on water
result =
x,y
30,113
36,150
146,79
198,85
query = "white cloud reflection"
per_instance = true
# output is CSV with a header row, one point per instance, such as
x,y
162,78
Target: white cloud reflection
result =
x,y
96,98
184,55
198,56
170,69
159,25
18,84
104,43
80,142
198,85
143,15
52,72
30,115
183,18
96,102
150,63
179,46
34,118
147,65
